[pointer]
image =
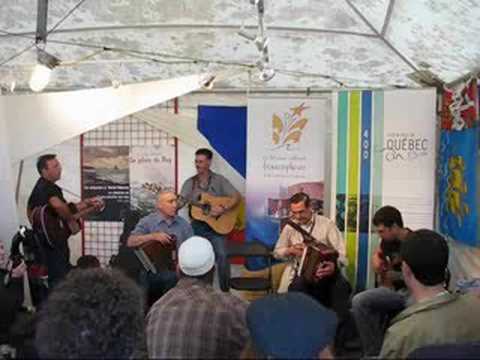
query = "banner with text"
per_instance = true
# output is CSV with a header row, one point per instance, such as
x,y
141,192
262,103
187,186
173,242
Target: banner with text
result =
x,y
105,174
382,155
285,155
152,169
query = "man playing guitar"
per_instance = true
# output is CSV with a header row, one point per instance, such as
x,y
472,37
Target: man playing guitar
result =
x,y
374,308
46,192
206,181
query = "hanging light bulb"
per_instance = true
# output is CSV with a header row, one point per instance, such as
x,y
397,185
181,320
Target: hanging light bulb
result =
x,y
267,74
40,77
42,71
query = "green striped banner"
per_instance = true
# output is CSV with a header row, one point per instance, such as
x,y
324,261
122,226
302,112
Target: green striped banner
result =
x,y
354,125
348,177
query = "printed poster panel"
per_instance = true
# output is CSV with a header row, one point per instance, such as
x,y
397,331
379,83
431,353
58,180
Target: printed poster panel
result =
x,y
152,169
285,155
106,174
409,155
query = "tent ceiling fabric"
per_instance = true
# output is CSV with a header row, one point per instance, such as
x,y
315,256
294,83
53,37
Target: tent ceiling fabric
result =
x,y
319,37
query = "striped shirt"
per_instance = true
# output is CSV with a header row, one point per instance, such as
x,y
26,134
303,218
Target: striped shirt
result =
x,y
193,320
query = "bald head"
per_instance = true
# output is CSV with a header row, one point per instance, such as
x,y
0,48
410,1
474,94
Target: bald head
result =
x,y
167,203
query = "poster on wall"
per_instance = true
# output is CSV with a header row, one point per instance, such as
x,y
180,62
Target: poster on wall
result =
x,y
383,156
285,153
105,173
152,169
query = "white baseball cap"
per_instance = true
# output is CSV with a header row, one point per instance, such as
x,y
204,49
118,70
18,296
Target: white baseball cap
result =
x,y
196,256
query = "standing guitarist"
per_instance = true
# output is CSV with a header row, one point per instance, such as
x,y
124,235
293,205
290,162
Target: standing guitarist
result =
x,y
46,192
374,308
206,181
329,286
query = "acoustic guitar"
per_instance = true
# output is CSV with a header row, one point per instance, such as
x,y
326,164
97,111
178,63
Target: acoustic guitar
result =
x,y
390,276
200,210
55,229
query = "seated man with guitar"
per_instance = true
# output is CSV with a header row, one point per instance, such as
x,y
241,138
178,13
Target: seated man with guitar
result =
x,y
54,218
374,308
155,240
213,208
315,248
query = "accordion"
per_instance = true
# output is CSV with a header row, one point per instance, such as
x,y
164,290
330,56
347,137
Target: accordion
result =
x,y
156,257
312,257
314,254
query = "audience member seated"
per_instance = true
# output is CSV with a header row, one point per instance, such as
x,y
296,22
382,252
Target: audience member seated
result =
x,y
193,320
437,316
469,350
88,262
11,292
290,326
93,313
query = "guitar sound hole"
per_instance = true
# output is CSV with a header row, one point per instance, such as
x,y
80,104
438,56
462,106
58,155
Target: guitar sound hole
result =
x,y
206,209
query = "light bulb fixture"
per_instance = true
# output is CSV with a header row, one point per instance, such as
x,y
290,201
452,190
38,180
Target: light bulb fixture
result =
x,y
261,42
266,74
42,71
208,82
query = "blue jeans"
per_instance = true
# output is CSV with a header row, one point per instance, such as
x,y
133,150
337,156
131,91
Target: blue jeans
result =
x,y
373,309
156,285
218,242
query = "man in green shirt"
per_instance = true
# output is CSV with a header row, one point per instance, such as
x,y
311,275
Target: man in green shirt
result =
x,y
437,316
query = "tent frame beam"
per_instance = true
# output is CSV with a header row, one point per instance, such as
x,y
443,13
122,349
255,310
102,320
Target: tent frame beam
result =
x,y
42,15
194,27
381,37
388,16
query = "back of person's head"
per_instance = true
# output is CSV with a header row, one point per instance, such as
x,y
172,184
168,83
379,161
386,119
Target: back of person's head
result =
x,y
205,152
300,197
43,160
93,313
291,325
196,257
388,216
426,254
87,262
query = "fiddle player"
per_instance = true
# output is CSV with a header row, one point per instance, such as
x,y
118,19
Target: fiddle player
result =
x,y
329,287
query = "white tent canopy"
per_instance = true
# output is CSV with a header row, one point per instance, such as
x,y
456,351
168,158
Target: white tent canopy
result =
x,y
356,42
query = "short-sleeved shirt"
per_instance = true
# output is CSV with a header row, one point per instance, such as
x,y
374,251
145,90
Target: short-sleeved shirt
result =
x,y
42,192
58,257
157,222
217,185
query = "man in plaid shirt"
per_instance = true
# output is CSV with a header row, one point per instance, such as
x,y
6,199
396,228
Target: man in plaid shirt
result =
x,y
193,320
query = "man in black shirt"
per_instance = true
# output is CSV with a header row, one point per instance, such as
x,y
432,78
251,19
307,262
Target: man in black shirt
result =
x,y
374,308
46,192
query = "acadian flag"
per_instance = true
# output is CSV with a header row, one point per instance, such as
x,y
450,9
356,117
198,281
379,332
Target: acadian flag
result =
x,y
457,186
